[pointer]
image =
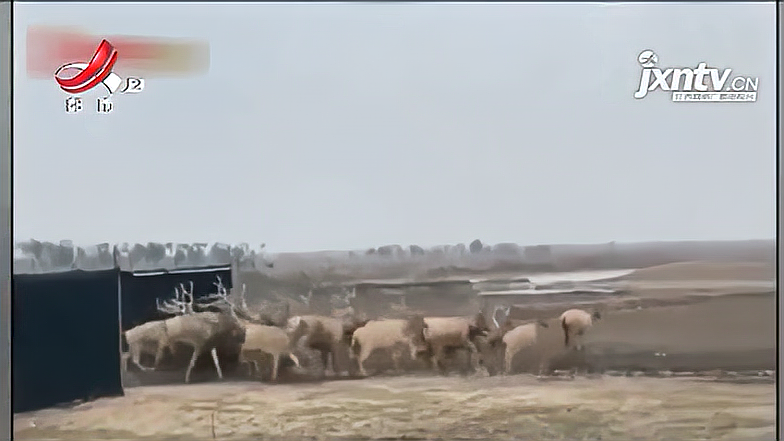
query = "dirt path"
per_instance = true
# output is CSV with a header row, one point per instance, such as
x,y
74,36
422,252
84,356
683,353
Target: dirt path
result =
x,y
425,407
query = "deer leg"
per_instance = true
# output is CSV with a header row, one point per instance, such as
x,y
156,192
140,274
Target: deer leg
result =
x,y
242,361
434,358
469,361
331,362
196,350
335,349
325,360
508,357
214,353
245,362
159,355
275,360
473,356
544,366
172,349
353,369
124,357
136,355
396,354
437,360
294,359
363,355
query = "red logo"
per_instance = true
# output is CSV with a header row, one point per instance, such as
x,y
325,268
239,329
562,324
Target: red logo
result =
x,y
88,75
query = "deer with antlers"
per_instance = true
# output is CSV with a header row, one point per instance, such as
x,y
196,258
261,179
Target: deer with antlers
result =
x,y
262,337
149,337
329,335
202,330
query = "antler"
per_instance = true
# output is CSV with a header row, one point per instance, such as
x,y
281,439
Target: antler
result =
x,y
221,295
185,291
351,294
306,300
505,309
181,304
243,298
221,298
176,306
168,307
188,304
222,291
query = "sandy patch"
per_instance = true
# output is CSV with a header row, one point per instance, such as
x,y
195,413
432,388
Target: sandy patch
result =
x,y
726,271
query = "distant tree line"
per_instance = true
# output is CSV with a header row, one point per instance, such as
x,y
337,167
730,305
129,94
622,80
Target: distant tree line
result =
x,y
36,256
389,260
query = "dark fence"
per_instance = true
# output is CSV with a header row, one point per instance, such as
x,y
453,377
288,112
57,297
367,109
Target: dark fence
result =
x,y
65,338
140,289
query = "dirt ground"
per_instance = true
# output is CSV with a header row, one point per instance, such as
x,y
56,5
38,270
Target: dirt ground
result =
x,y
689,353
424,407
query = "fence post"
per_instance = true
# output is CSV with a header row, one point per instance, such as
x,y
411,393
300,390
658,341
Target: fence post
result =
x,y
235,273
6,244
118,270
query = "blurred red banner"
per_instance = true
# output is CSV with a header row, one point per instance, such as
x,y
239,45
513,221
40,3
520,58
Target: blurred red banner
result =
x,y
49,47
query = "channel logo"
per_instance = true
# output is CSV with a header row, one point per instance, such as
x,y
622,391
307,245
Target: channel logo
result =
x,y
79,77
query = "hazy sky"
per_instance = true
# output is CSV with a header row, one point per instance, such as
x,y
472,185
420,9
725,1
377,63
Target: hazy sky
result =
x,y
359,125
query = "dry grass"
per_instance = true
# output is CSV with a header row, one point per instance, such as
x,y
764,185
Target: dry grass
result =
x,y
424,408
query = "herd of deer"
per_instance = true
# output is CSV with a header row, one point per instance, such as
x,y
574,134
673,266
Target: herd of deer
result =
x,y
215,320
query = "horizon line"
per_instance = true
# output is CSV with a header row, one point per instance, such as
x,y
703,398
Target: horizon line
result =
x,y
268,251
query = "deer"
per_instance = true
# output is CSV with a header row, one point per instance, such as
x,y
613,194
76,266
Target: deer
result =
x,y
201,330
394,335
513,336
329,335
448,333
261,336
151,334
